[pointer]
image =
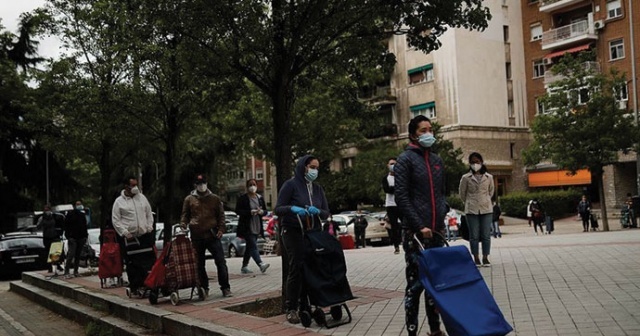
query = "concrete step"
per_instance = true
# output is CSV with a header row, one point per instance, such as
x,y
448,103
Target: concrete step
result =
x,y
123,316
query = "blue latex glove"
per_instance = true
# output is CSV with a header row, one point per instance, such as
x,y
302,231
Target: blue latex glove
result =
x,y
313,210
298,211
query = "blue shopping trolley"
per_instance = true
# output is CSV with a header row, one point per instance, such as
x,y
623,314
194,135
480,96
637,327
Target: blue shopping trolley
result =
x,y
465,303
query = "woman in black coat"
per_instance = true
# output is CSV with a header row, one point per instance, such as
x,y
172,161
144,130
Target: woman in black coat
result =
x,y
251,207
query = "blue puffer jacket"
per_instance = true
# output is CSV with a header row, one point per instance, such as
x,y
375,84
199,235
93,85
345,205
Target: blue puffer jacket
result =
x,y
419,189
297,191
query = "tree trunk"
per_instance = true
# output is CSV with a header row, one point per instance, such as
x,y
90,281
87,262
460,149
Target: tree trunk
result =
x,y
603,203
105,177
169,189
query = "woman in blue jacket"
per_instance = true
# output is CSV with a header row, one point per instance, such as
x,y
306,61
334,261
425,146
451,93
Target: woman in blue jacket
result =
x,y
301,205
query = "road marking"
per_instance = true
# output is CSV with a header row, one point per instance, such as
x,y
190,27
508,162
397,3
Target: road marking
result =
x,y
19,327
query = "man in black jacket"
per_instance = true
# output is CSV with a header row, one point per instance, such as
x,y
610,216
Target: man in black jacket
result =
x,y
388,184
419,194
75,230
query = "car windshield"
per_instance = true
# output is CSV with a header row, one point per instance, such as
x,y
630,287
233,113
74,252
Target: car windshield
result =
x,y
21,243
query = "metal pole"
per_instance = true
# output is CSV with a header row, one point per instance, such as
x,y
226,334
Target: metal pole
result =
x,y
47,174
634,84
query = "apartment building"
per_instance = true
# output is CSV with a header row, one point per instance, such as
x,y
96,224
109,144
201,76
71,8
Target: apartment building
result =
x,y
610,28
474,86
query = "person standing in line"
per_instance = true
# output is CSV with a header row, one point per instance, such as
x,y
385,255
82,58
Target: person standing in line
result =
x,y
132,218
203,215
331,227
47,223
584,210
250,207
301,202
420,197
388,183
496,220
476,190
359,228
529,212
537,215
76,232
451,222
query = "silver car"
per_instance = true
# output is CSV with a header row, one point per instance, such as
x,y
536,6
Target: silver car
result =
x,y
234,246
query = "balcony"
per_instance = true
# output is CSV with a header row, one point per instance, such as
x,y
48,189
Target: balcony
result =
x,y
588,67
577,32
379,95
549,6
379,131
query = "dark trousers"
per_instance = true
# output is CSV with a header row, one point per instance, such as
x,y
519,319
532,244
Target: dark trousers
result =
x,y
360,236
215,248
139,255
73,255
414,291
251,250
396,231
295,295
585,220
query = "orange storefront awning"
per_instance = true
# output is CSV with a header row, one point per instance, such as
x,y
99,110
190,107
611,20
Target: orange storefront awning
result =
x,y
559,178
570,51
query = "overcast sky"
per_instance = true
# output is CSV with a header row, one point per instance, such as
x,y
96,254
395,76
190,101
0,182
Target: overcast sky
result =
x,y
10,11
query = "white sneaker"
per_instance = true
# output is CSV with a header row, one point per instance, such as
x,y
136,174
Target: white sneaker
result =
x,y
263,267
245,270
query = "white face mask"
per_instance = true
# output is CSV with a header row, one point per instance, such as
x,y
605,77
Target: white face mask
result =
x,y
253,189
135,190
201,187
476,167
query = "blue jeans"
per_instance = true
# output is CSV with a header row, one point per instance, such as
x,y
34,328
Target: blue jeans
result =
x,y
215,248
496,229
480,231
251,250
73,255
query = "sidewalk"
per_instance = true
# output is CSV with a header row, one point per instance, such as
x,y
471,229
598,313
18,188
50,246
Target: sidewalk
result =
x,y
566,283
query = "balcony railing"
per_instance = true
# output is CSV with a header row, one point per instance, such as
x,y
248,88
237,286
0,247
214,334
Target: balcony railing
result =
x,y
575,32
552,5
588,67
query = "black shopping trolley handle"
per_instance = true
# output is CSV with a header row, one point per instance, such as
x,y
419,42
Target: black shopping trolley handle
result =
x,y
436,235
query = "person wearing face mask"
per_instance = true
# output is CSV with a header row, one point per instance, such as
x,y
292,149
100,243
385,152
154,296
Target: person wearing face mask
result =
x,y
359,228
420,197
301,203
132,219
75,230
388,183
203,214
47,223
251,207
476,191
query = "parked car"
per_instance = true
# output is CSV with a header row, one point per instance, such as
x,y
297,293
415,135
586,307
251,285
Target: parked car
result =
x,y
234,246
375,232
231,216
22,251
341,220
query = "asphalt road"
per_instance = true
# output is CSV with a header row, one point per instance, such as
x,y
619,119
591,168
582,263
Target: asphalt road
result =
x,y
21,317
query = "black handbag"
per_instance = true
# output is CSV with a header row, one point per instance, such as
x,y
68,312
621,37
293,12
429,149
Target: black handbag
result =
x,y
463,228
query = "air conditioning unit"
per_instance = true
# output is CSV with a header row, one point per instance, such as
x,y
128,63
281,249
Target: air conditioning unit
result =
x,y
622,104
547,61
599,24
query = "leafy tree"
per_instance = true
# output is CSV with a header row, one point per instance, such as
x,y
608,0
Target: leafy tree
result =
x,y
280,46
583,126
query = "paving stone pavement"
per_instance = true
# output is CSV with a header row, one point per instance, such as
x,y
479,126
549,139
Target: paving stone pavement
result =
x,y
567,283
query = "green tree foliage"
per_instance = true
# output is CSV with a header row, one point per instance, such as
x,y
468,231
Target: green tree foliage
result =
x,y
583,126
281,46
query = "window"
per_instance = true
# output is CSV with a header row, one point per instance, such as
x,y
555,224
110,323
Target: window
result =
x,y
616,49
621,93
259,175
536,32
505,33
347,163
538,69
532,1
428,110
540,107
507,68
614,9
583,96
421,74
510,108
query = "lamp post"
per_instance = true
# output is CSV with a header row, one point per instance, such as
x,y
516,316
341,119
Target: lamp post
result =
x,y
634,84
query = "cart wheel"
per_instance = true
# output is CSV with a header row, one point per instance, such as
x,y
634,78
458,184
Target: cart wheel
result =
x,y
305,318
319,316
175,298
128,292
153,296
201,294
336,313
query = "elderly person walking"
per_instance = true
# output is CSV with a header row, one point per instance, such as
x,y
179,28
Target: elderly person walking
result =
x,y
476,191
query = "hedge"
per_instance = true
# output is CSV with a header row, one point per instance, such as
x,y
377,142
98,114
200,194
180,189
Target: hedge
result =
x,y
556,203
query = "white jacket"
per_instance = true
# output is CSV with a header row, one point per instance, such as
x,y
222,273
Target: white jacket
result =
x,y
477,195
132,215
